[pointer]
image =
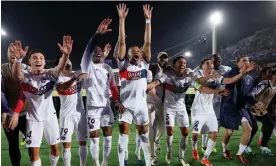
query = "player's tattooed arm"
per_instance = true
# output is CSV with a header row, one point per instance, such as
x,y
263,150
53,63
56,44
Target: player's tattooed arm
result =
x,y
93,42
122,12
15,49
76,77
66,49
147,38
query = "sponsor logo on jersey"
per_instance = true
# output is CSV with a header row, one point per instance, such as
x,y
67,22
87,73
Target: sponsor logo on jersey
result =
x,y
176,89
72,90
41,91
124,74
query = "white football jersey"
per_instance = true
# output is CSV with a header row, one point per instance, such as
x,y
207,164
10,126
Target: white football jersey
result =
x,y
203,103
175,89
100,79
133,84
38,92
71,98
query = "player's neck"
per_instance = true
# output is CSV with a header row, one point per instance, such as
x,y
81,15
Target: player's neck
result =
x,y
66,72
37,71
179,74
207,72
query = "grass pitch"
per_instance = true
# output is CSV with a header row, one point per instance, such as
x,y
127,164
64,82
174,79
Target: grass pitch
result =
x,y
215,158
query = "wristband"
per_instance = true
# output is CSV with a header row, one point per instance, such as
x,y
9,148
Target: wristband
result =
x,y
19,60
148,21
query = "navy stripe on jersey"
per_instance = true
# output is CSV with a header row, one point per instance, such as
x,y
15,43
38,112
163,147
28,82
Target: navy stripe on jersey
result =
x,y
41,91
175,89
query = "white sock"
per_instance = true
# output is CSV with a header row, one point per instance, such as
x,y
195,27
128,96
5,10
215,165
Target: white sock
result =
x,y
54,160
126,153
122,145
274,131
210,145
36,163
224,147
144,143
182,146
194,144
169,140
67,156
138,145
94,149
83,150
106,148
261,136
241,149
204,140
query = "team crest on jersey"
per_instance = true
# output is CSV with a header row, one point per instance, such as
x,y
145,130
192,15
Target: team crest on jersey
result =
x,y
43,80
63,137
28,142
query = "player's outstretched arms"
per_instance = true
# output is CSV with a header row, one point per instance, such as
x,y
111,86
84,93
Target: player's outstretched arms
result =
x,y
77,77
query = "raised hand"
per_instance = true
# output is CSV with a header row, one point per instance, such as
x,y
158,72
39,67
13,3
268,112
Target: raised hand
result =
x,y
103,27
107,49
147,11
16,49
67,44
122,10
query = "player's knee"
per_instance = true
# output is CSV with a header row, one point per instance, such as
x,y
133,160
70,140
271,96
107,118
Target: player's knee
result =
x,y
107,131
82,143
66,145
184,131
34,154
54,150
94,134
194,136
169,131
229,132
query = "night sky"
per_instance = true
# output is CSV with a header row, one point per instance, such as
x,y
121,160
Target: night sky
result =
x,y
41,25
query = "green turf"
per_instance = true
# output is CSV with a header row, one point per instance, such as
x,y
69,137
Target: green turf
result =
x,y
215,158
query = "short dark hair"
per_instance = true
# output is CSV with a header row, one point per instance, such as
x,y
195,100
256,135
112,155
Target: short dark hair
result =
x,y
239,58
202,62
177,58
35,51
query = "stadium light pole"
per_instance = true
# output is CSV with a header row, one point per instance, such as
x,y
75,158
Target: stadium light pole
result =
x,y
3,32
215,19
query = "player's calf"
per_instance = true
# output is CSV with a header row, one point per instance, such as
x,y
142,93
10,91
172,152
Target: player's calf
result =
x,y
54,155
107,144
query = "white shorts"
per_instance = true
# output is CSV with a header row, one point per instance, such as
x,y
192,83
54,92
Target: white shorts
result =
x,y
171,115
203,124
74,123
98,117
35,130
138,117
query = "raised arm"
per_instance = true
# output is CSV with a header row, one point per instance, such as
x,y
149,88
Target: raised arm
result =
x,y
147,38
122,12
237,77
16,50
88,53
66,49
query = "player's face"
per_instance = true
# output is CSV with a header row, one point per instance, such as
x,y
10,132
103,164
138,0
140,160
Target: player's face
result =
x,y
163,61
37,61
243,62
135,54
266,75
98,55
216,60
180,65
208,66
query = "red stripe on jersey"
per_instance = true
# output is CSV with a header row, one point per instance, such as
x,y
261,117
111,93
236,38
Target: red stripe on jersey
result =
x,y
133,75
169,87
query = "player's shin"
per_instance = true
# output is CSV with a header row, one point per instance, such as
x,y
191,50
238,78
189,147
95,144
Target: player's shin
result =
x,y
36,163
144,143
210,145
182,146
66,156
83,150
107,141
122,145
94,149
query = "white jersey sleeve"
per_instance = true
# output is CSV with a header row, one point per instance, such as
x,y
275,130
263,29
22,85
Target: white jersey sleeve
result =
x,y
150,78
121,63
162,78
